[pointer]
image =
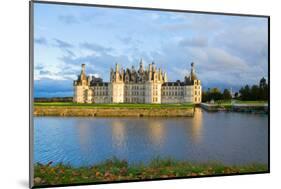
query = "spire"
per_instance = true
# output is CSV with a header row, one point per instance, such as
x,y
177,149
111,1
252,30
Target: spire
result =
x,y
83,73
192,68
141,64
192,72
116,67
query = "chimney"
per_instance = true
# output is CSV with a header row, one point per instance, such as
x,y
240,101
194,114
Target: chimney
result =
x,y
116,67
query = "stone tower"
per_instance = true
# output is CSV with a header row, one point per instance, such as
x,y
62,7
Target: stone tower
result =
x,y
192,88
116,87
82,92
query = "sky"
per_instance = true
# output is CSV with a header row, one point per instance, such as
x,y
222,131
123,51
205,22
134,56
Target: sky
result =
x,y
228,51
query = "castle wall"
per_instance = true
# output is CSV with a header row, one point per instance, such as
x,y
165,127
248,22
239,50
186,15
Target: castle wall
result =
x,y
188,94
100,94
172,94
143,86
134,93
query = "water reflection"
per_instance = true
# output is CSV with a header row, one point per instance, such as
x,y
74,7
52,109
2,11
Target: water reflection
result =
x,y
196,126
118,134
156,131
83,134
232,138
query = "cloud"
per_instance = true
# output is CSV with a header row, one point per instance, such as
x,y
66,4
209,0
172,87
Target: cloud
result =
x,y
62,44
153,16
44,72
38,66
68,19
96,64
95,47
126,39
223,60
199,23
227,50
40,41
248,41
195,42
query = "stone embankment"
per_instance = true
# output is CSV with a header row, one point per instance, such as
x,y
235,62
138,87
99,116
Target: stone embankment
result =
x,y
114,112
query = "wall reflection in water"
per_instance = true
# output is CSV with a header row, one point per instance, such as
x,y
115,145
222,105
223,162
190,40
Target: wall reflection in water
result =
x,y
196,126
156,131
119,131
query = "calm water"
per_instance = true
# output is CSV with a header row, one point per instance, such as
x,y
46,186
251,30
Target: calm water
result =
x,y
230,138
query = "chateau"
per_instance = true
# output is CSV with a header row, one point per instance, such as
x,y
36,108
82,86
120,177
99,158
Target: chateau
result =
x,y
148,85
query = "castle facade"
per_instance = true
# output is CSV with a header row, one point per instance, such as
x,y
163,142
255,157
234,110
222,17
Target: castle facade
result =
x,y
148,85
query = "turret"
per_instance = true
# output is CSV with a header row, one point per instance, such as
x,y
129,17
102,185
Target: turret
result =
x,y
165,77
82,93
149,67
111,74
149,72
83,73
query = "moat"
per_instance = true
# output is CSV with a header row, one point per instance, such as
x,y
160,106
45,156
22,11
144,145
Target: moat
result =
x,y
227,137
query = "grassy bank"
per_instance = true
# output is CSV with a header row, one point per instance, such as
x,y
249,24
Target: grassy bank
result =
x,y
123,105
228,102
117,170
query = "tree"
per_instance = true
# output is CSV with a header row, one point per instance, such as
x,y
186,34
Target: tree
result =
x,y
245,93
215,94
211,94
262,82
263,90
255,92
205,96
226,94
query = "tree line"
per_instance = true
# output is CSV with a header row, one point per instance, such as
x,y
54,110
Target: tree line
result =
x,y
254,92
216,94
54,99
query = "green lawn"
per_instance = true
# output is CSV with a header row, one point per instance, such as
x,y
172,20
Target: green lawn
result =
x,y
123,105
116,170
251,102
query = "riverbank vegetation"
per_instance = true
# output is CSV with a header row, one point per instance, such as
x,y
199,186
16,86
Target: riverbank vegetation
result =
x,y
118,170
121,105
53,99
247,93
